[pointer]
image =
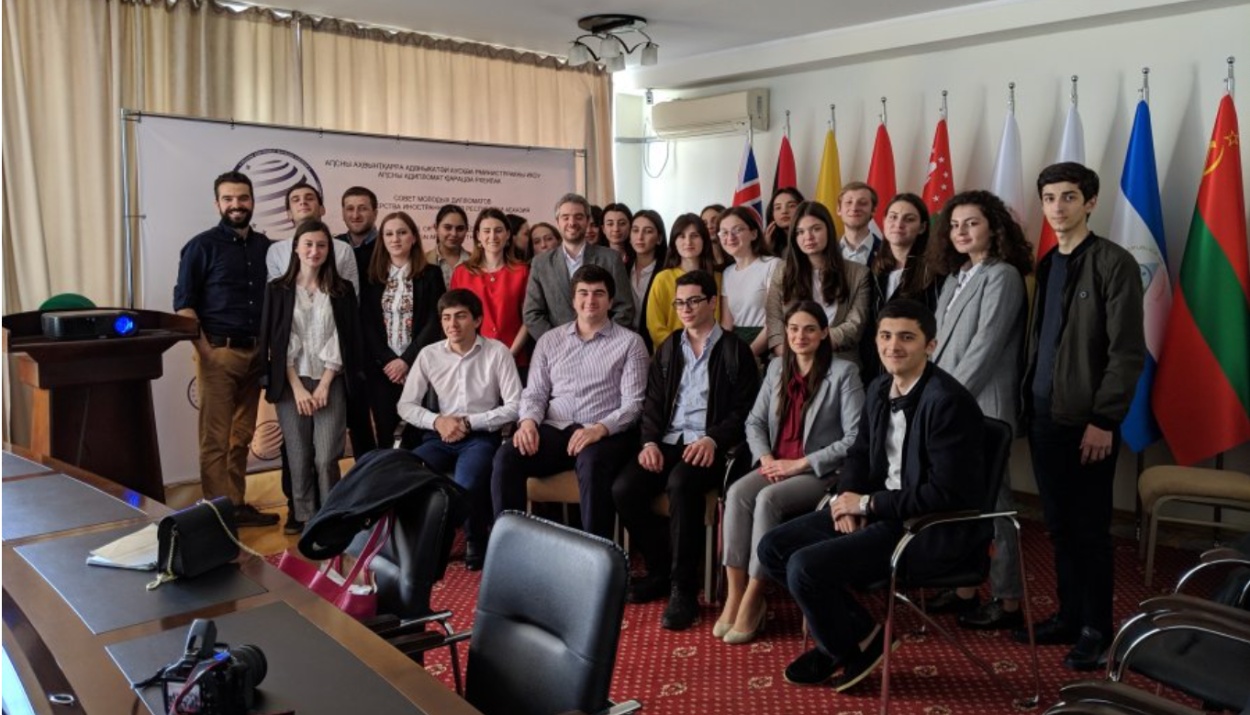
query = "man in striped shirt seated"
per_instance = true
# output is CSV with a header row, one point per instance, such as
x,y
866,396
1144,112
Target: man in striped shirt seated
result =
x,y
579,410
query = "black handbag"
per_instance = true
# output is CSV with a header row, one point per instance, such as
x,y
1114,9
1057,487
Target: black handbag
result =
x,y
196,540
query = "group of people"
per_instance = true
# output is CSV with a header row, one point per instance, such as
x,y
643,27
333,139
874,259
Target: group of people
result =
x,y
848,364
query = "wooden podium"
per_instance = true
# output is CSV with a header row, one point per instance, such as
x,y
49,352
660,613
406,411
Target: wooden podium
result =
x,y
93,398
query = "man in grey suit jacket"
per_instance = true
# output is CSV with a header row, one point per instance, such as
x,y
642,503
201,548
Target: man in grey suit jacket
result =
x,y
549,296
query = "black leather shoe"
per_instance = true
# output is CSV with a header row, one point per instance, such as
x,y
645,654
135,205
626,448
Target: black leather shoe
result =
x,y
812,668
474,557
1090,651
682,610
1052,631
991,617
292,526
861,664
248,515
949,602
651,587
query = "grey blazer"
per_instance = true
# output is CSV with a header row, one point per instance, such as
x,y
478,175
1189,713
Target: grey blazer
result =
x,y
549,295
831,422
848,319
980,338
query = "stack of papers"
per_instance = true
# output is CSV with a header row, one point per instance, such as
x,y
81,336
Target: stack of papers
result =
x,y
135,551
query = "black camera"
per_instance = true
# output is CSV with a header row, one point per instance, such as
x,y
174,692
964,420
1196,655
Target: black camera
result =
x,y
211,678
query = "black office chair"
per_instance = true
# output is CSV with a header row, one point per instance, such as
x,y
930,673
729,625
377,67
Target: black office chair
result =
x,y
1196,645
998,436
548,621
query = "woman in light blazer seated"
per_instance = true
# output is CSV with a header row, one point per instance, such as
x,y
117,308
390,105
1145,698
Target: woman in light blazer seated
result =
x,y
804,420
981,318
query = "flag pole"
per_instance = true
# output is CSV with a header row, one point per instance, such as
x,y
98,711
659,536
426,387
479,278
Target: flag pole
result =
x,y
833,119
942,111
1074,78
883,110
1144,93
1228,81
1011,97
787,123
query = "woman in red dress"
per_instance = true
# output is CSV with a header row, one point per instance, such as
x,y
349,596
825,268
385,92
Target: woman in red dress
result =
x,y
498,277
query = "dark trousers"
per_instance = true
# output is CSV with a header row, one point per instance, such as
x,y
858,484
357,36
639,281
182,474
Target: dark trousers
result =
x,y
596,466
1076,503
819,565
636,489
383,399
359,424
469,464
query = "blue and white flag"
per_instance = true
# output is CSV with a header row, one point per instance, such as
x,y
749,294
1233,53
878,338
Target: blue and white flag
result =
x,y
1137,225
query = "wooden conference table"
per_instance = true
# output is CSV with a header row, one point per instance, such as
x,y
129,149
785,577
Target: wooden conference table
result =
x,y
60,644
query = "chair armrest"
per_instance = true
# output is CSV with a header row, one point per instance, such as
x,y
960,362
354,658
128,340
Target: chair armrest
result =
x,y
1117,694
734,457
1214,558
919,523
391,627
1182,603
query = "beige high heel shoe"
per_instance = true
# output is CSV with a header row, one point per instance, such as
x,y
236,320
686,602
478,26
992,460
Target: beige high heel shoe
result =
x,y
739,638
720,628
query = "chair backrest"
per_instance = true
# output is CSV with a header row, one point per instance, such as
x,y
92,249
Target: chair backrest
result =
x,y
548,620
997,445
415,557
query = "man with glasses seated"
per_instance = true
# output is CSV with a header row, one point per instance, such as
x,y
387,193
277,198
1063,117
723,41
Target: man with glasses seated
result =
x,y
918,452
701,385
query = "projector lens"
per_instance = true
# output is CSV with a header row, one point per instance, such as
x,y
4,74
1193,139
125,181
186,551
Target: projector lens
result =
x,y
124,325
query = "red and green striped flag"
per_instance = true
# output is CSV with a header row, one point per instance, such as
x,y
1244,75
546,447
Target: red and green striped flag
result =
x,y
1202,390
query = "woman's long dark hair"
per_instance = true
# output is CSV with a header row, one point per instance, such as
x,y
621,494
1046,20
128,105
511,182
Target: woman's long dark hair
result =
x,y
1007,241
917,276
707,259
796,279
328,278
790,362
661,247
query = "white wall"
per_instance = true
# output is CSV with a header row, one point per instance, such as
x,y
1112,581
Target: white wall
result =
x,y
1185,51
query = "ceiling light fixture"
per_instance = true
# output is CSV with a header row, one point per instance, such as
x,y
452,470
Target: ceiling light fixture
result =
x,y
612,51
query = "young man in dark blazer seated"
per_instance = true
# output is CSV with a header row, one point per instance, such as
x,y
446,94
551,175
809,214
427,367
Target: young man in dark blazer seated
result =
x,y
918,452
700,387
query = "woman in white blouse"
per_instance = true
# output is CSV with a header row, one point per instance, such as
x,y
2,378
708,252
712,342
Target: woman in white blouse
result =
x,y
746,280
398,315
308,335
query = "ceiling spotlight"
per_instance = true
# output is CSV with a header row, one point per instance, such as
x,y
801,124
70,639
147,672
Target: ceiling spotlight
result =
x,y
579,54
650,54
614,53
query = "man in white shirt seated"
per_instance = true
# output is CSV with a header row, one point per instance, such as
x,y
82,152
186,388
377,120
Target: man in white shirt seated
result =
x,y
584,396
479,391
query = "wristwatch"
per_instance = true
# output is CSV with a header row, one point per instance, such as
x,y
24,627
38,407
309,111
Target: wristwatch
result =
x,y
864,501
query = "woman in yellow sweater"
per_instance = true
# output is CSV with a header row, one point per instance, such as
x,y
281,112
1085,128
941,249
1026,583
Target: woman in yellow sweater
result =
x,y
690,250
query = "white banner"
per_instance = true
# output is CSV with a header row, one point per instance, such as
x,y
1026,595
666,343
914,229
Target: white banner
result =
x,y
179,157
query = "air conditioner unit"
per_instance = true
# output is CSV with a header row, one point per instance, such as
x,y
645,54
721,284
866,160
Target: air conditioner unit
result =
x,y
719,114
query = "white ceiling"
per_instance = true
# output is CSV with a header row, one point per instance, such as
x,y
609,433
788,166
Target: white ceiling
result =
x,y
682,28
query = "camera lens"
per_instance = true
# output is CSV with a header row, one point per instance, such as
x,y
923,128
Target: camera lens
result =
x,y
254,659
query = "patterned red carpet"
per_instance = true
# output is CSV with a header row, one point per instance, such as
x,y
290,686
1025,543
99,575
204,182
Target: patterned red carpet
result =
x,y
691,673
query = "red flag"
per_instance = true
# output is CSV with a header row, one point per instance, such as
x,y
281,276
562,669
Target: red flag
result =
x,y
881,172
786,177
1202,389
940,186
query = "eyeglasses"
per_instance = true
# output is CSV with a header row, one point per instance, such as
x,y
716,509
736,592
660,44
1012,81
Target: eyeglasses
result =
x,y
691,303
736,232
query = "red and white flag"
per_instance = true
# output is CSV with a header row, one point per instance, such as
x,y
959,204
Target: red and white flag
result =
x,y
786,176
1071,148
939,187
